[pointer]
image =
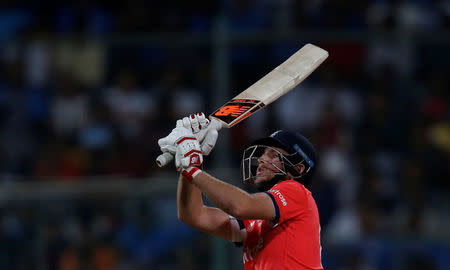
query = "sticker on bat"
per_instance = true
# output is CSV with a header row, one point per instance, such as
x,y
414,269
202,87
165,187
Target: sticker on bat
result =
x,y
236,108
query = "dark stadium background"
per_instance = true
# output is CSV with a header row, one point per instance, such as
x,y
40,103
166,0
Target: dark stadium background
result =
x,y
87,88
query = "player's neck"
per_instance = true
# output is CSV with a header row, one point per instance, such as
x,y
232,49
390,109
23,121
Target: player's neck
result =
x,y
266,185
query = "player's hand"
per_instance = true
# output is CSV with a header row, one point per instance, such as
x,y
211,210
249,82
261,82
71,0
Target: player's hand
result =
x,y
183,145
203,129
188,153
167,144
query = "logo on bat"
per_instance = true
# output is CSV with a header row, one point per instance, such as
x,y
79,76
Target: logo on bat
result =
x,y
233,110
237,108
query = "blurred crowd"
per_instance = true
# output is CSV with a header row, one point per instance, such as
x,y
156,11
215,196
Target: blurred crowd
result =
x,y
98,17
75,101
100,234
83,94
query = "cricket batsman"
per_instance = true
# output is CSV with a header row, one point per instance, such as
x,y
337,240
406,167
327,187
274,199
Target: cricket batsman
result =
x,y
278,227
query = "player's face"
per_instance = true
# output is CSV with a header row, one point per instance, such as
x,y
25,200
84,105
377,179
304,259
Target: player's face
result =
x,y
269,164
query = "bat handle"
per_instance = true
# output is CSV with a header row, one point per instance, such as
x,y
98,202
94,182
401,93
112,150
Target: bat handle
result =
x,y
164,159
216,123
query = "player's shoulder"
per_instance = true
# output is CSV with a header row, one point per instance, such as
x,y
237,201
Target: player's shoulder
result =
x,y
289,184
292,186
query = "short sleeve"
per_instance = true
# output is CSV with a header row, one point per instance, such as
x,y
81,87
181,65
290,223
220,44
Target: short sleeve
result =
x,y
289,200
238,233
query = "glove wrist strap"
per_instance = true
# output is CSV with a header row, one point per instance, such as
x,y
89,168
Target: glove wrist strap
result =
x,y
190,173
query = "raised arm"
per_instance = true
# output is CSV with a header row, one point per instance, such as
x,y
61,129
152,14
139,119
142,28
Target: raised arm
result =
x,y
194,213
233,200
230,200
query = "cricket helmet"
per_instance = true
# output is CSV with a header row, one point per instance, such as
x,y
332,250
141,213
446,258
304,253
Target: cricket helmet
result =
x,y
299,151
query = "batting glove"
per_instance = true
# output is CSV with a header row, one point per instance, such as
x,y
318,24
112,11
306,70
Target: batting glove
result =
x,y
188,153
184,146
168,143
203,129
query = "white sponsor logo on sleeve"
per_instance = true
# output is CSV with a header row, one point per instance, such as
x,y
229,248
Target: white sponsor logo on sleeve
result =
x,y
278,193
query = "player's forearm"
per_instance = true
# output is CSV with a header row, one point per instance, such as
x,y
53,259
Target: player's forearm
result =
x,y
189,201
229,198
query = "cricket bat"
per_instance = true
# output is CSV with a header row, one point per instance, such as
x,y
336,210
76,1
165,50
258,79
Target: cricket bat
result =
x,y
265,91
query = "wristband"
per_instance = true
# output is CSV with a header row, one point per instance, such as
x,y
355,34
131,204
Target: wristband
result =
x,y
190,173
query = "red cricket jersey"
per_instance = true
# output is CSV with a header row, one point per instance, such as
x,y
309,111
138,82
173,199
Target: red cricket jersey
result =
x,y
294,242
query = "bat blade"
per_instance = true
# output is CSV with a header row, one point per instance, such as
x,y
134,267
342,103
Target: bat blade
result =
x,y
273,85
269,88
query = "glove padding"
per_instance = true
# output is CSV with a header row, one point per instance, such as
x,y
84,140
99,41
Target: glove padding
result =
x,y
203,129
188,153
184,146
167,144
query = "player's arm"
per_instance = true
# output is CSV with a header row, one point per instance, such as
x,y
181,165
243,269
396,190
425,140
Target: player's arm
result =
x,y
233,200
191,209
194,213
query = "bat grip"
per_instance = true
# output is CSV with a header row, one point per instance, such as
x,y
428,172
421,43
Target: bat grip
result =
x,y
164,159
215,123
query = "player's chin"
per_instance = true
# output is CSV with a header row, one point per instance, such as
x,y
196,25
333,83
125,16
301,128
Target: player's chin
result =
x,y
262,178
